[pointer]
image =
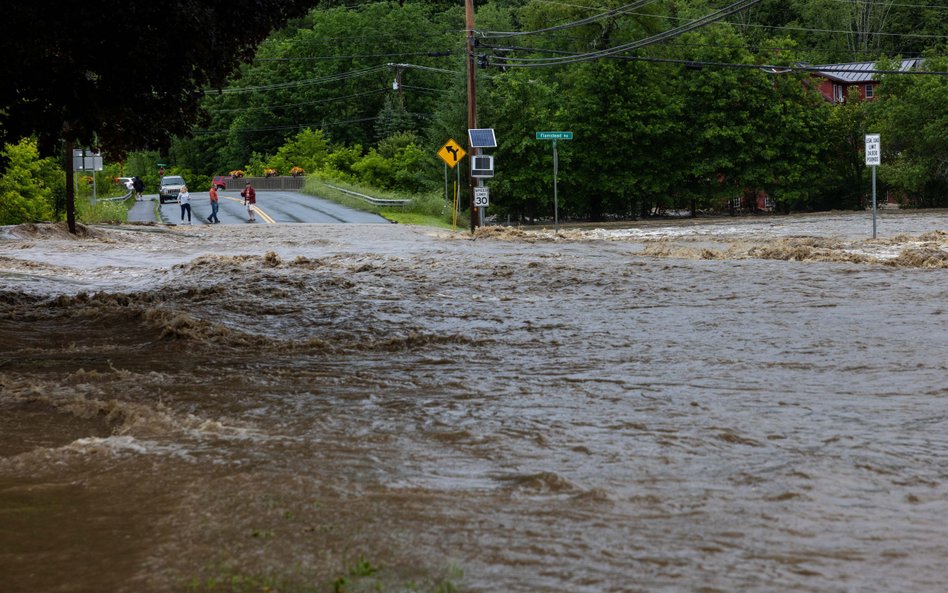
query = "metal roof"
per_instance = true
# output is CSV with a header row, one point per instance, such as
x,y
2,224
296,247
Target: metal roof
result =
x,y
854,72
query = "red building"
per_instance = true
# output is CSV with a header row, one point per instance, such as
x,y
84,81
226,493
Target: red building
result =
x,y
836,79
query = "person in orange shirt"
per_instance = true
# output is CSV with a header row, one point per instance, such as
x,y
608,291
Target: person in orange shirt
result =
x,y
213,219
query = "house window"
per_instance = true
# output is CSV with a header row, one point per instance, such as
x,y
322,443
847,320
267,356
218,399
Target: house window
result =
x,y
839,93
869,88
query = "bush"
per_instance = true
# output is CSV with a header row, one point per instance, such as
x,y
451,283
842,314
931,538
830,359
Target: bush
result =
x,y
28,184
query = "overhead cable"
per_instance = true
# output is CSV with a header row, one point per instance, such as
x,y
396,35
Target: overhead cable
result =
x,y
585,21
734,8
299,83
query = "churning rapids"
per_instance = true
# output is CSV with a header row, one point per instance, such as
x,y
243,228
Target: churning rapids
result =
x,y
701,406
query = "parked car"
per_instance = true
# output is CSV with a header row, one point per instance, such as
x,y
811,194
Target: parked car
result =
x,y
125,182
220,182
169,188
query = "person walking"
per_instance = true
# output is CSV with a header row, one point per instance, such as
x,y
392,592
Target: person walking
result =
x,y
213,219
250,201
139,186
184,198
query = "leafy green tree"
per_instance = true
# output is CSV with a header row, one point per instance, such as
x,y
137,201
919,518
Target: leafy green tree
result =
x,y
309,149
518,104
334,72
909,113
27,184
375,170
393,119
624,123
845,166
340,162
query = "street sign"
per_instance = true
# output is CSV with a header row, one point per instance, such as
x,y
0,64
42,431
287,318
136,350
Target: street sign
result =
x,y
873,150
86,160
481,197
873,158
451,153
482,165
554,135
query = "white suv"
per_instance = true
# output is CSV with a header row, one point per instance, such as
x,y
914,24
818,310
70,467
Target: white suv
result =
x,y
170,186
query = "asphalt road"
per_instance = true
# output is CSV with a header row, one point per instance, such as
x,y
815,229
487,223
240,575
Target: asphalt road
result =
x,y
272,207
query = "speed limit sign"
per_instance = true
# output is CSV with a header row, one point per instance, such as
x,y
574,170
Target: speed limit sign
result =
x,y
481,197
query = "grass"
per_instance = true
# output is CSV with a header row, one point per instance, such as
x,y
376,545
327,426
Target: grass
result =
x,y
101,212
360,577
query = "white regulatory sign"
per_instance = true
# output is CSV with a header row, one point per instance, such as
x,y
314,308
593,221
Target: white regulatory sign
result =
x,y
481,197
873,150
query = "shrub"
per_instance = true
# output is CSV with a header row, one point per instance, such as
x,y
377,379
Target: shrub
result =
x,y
27,184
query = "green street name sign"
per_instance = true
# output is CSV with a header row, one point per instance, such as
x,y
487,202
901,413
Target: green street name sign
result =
x,y
554,135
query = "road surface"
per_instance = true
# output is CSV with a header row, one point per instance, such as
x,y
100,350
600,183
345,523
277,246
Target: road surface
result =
x,y
272,207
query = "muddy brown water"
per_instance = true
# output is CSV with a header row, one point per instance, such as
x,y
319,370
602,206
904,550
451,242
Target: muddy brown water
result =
x,y
756,405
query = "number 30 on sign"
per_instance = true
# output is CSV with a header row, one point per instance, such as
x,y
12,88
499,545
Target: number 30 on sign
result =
x,y
481,197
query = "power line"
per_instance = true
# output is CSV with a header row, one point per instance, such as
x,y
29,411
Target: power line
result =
x,y
783,27
304,126
299,83
286,105
734,8
420,67
430,54
870,2
585,21
769,68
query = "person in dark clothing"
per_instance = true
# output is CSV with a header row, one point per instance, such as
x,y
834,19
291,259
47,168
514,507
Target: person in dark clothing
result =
x,y
139,186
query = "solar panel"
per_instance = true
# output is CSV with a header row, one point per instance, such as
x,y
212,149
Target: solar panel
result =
x,y
482,138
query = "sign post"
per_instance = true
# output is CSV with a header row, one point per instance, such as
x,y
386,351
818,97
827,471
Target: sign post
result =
x,y
478,138
873,159
451,153
87,160
554,136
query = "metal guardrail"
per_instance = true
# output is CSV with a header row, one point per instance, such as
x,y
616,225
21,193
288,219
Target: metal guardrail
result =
x,y
370,199
118,199
280,183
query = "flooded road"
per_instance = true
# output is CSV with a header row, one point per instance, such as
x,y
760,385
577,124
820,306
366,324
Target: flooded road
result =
x,y
753,405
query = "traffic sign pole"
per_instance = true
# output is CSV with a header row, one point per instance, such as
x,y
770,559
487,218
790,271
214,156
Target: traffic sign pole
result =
x,y
873,159
873,201
556,201
554,136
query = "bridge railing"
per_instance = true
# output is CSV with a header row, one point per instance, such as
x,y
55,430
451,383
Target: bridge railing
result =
x,y
279,183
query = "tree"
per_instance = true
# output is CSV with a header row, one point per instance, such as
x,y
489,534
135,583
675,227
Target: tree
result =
x,y
309,150
27,184
909,113
68,75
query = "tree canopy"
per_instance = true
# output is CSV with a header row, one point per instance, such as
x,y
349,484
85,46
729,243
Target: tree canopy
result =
x,y
123,75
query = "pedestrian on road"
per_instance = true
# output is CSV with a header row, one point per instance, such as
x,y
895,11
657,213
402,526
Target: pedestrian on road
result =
x,y
250,201
213,219
139,187
184,198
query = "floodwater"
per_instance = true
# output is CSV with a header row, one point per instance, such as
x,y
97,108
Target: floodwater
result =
x,y
713,406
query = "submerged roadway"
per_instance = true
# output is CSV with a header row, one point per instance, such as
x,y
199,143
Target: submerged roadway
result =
x,y
272,207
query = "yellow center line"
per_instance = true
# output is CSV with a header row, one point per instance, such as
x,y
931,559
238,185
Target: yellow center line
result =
x,y
263,215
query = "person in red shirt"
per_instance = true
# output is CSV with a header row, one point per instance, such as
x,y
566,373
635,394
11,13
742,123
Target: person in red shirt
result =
x,y
213,219
250,201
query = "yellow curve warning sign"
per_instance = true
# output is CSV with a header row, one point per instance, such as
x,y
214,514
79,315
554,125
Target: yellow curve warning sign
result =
x,y
451,153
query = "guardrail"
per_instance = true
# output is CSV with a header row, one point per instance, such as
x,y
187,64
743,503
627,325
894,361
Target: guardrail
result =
x,y
370,199
118,199
280,183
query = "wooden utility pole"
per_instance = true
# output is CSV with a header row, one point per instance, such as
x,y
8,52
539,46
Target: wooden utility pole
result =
x,y
471,103
70,190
